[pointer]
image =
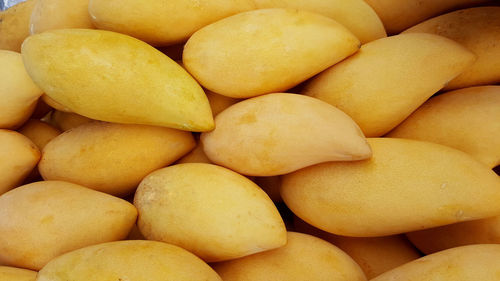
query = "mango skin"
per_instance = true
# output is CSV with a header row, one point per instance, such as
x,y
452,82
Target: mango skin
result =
x,y
467,119
429,184
113,77
40,133
19,156
389,78
355,15
468,263
128,260
54,14
255,137
112,158
16,274
67,120
265,51
476,29
399,15
54,104
375,255
485,231
304,257
152,20
18,93
14,25
42,220
209,210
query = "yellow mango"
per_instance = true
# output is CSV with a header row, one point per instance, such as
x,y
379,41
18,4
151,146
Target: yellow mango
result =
x,y
389,78
19,156
272,135
56,14
113,77
16,274
407,185
208,210
197,155
467,263
162,22
485,231
398,15
54,104
42,220
219,102
265,51
40,133
375,255
466,119
304,257
128,261
67,120
18,93
477,29
112,158
356,15
15,25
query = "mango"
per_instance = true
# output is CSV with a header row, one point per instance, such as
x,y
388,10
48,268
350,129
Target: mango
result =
x,y
265,51
112,158
399,15
15,25
355,15
42,220
208,210
272,135
40,133
485,231
407,185
128,260
16,274
18,93
389,78
113,77
54,14
467,119
304,257
67,120
153,21
477,30
467,263
54,104
19,156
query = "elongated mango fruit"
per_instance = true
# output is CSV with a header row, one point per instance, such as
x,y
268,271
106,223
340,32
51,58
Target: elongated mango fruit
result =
x,y
428,184
280,133
265,51
466,119
55,14
113,77
14,25
468,263
389,78
477,29
8,273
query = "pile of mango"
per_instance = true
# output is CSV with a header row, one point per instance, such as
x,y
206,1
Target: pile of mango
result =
x,y
250,140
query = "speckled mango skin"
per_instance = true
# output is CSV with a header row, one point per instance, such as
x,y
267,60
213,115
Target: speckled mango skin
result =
x,y
14,25
127,261
272,135
209,210
428,184
389,78
468,263
113,77
265,51
42,220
